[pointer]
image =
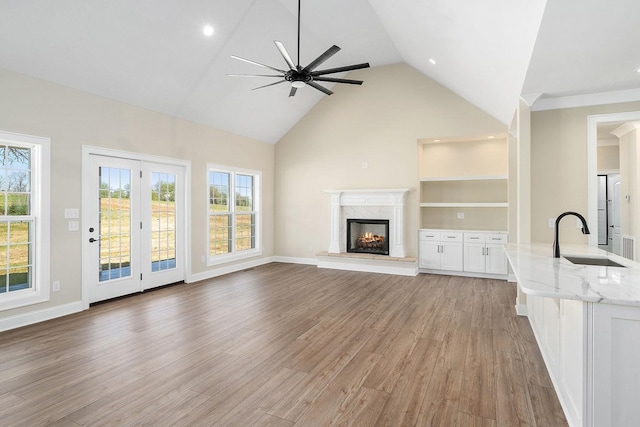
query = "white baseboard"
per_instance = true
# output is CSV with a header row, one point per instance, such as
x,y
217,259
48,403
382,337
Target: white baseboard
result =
x,y
463,274
228,269
38,316
294,260
522,310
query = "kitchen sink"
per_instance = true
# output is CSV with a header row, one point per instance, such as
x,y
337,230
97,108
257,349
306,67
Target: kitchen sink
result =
x,y
601,261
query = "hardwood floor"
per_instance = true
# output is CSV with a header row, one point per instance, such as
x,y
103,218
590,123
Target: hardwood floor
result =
x,y
285,345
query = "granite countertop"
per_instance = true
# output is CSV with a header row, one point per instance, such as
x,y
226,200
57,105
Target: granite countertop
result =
x,y
538,273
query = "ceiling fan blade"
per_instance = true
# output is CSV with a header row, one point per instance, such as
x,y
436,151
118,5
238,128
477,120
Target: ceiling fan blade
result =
x,y
285,55
255,75
270,84
293,91
340,69
320,88
331,79
257,63
320,59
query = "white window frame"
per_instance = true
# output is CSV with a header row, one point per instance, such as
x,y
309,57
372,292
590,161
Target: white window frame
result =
x,y
248,253
40,213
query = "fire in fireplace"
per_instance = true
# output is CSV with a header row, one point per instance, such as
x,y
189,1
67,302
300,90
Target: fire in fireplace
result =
x,y
368,236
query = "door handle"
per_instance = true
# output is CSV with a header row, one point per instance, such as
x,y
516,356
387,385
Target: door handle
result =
x,y
91,240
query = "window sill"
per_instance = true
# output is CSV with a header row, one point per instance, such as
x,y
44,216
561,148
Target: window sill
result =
x,y
226,258
17,299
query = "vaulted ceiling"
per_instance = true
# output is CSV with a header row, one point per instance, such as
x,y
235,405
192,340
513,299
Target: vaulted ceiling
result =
x,y
153,54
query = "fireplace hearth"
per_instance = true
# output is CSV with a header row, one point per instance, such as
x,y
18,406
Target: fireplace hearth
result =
x,y
369,236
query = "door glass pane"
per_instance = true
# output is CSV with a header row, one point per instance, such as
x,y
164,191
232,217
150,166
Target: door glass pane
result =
x,y
163,221
114,228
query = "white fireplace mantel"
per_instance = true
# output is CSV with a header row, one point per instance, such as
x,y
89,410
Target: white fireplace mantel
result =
x,y
391,199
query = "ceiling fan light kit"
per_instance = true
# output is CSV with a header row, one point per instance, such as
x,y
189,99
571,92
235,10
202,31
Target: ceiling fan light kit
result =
x,y
299,76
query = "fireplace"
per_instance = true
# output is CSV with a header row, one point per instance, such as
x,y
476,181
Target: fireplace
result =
x,y
385,204
369,236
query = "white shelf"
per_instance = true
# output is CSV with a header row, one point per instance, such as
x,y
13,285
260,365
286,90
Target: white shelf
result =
x,y
465,205
464,178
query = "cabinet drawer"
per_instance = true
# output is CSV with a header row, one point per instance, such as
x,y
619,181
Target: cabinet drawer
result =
x,y
496,238
429,235
446,236
474,237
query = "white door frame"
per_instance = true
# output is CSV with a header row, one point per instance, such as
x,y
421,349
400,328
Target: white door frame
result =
x,y
592,165
88,150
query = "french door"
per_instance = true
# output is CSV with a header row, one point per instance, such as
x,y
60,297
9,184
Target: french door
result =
x,y
133,220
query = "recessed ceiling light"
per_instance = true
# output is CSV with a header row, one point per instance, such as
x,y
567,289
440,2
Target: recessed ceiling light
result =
x,y
491,136
436,140
432,61
207,30
637,70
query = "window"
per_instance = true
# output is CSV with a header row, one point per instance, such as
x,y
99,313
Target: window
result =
x,y
234,213
24,220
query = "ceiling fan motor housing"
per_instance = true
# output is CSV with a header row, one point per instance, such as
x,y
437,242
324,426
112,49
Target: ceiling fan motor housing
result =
x,y
298,76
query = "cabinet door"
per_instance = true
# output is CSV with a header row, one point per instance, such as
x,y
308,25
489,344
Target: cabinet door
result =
x,y
616,352
496,259
474,258
451,256
429,254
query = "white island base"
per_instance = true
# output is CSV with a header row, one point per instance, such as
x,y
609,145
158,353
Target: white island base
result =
x,y
586,320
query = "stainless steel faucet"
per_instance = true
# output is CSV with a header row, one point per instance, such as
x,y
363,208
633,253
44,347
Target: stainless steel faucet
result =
x,y
556,244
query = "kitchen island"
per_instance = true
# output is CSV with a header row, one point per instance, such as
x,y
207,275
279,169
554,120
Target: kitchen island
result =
x,y
586,319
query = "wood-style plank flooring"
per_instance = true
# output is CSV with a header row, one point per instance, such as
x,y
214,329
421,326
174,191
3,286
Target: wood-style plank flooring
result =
x,y
285,345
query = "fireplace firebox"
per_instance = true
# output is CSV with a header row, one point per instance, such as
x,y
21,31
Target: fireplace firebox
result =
x,y
369,236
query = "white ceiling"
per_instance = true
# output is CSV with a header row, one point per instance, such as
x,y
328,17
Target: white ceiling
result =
x,y
152,53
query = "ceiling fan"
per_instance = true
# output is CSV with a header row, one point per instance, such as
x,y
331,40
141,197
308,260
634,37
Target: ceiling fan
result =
x,y
300,76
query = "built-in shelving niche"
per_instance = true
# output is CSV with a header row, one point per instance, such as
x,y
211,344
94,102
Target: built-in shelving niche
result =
x,y
464,177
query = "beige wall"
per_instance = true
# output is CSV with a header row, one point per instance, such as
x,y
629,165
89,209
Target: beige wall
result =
x,y
378,123
608,158
72,118
559,167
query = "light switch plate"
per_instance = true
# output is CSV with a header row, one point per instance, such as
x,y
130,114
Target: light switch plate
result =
x,y
72,213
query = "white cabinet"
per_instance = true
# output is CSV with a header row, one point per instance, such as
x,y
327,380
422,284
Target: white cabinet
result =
x,y
616,367
440,250
484,253
475,252
591,351
561,333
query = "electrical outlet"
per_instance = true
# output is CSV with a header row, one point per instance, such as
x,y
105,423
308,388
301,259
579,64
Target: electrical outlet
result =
x,y
552,222
73,226
310,248
460,215
203,259
55,286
